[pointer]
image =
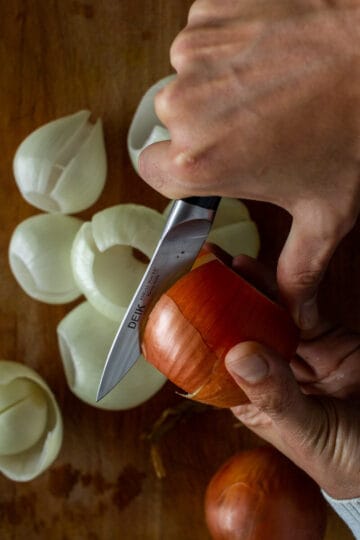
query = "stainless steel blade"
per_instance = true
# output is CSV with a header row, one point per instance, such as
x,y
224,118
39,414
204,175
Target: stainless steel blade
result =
x,y
184,234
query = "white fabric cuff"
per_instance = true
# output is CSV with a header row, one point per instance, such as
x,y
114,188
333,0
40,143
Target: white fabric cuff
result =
x,y
348,510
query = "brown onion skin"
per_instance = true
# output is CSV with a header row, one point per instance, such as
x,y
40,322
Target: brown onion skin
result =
x,y
200,318
261,495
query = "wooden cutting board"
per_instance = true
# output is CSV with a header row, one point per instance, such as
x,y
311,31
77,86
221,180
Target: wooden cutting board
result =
x,y
58,57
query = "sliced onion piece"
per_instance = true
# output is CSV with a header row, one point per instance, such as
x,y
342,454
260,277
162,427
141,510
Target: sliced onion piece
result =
x,y
30,423
61,166
237,238
146,128
39,257
104,264
85,337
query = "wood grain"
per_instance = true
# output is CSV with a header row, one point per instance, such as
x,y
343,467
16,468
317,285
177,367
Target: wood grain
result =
x,y
58,57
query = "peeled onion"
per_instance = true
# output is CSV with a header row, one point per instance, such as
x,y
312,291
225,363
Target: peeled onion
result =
x,y
200,318
39,257
61,166
260,495
31,428
85,337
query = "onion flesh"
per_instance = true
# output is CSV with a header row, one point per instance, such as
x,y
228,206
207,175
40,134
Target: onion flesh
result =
x,y
146,128
85,337
61,166
31,453
103,261
39,257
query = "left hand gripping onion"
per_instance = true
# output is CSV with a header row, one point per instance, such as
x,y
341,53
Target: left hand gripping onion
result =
x,y
200,318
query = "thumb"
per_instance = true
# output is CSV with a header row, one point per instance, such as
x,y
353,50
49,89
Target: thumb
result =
x,y
156,167
270,386
311,243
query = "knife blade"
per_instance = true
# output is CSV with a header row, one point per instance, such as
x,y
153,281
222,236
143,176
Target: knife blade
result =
x,y
185,232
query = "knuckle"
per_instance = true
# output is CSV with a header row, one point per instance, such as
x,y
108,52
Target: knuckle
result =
x,y
186,167
182,50
167,101
278,403
198,12
309,277
190,48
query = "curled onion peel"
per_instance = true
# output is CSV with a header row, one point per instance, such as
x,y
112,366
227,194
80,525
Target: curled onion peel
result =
x,y
39,257
200,318
61,166
146,128
104,265
30,423
233,229
260,495
85,337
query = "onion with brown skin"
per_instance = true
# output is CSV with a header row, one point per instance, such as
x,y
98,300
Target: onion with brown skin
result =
x,y
200,318
261,495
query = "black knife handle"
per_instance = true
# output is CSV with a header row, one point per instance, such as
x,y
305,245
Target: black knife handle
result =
x,y
210,203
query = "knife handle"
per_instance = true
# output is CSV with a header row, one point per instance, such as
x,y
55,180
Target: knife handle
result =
x,y
210,203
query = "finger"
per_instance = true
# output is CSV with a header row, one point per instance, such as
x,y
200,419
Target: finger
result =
x,y
175,175
155,165
209,12
270,386
302,263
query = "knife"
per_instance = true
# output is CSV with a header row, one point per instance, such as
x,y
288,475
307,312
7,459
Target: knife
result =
x,y
185,231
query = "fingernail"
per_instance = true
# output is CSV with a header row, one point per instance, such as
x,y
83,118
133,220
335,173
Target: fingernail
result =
x,y
252,369
308,314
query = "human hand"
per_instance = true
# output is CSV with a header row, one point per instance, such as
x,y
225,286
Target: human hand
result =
x,y
320,433
266,106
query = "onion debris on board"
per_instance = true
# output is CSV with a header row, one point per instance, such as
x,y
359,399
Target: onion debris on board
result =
x,y
61,166
39,257
30,423
104,264
85,337
200,318
259,494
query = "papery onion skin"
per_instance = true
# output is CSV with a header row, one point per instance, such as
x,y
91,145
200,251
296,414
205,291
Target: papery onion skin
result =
x,y
260,495
200,318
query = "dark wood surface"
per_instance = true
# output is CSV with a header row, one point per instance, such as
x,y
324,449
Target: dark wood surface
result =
x,y
58,57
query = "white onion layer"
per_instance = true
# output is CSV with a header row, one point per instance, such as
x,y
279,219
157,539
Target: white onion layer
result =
x,y
61,166
22,387
22,416
146,128
237,238
39,257
85,337
103,261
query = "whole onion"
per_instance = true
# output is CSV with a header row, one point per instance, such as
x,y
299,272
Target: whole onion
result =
x,y
261,495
